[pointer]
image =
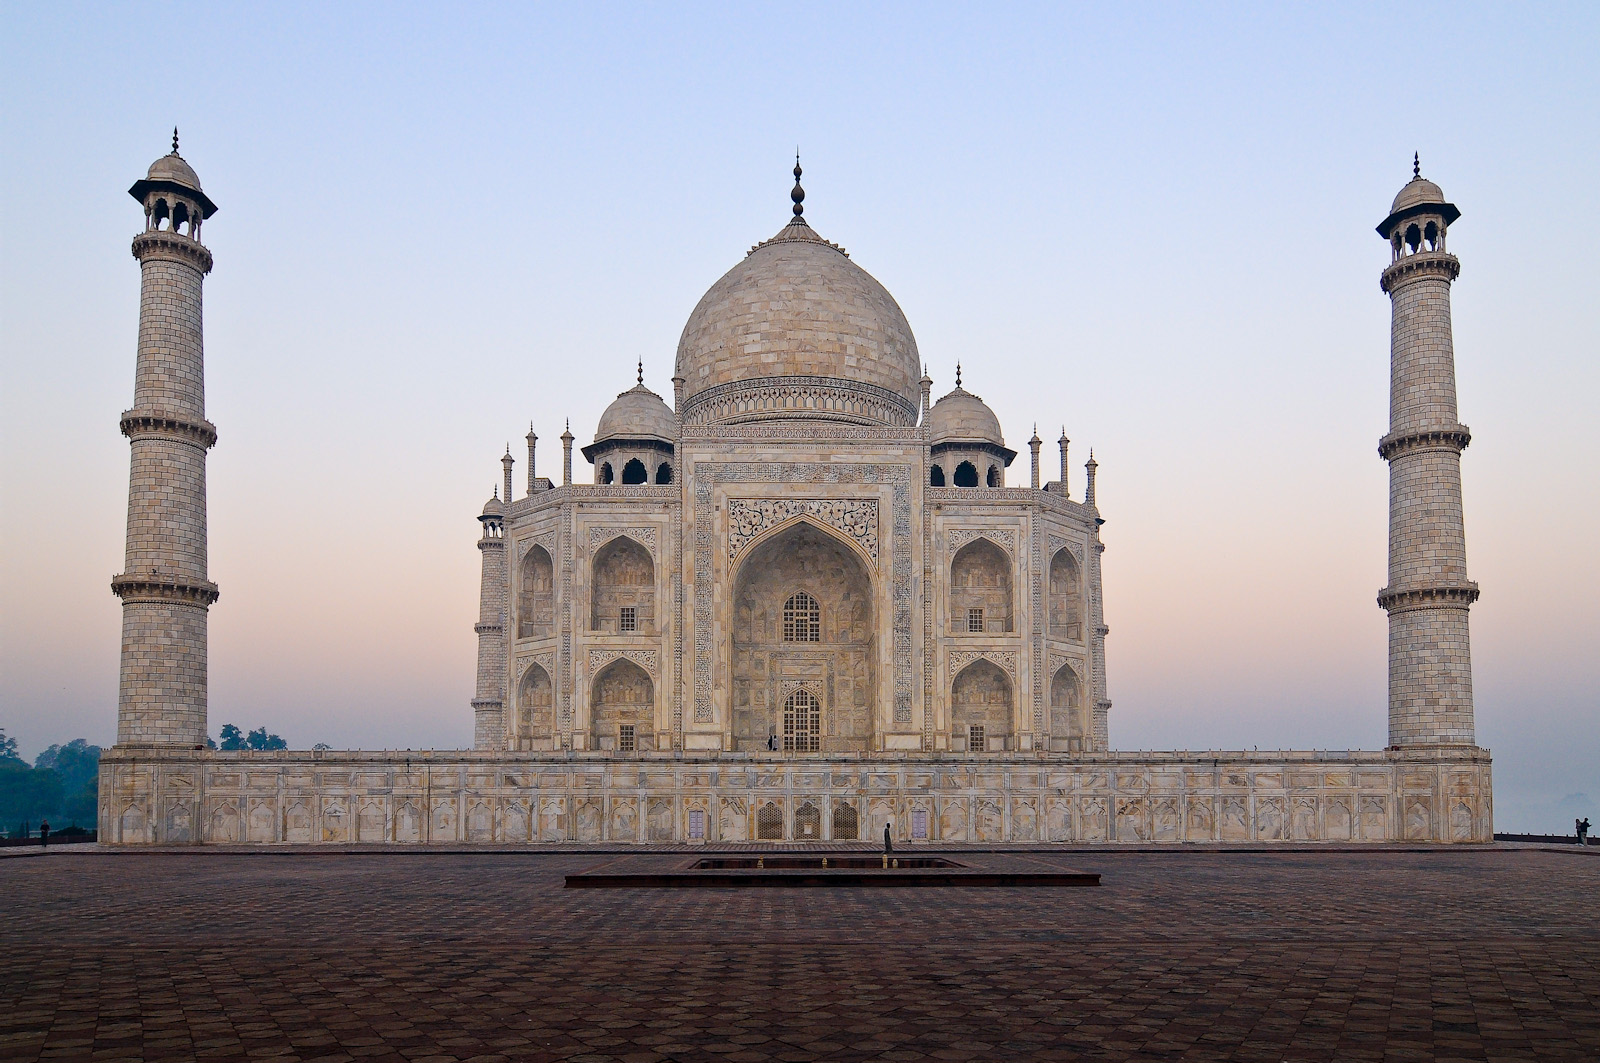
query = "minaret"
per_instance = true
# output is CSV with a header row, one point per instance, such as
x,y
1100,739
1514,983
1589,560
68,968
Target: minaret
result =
x,y
1090,467
1430,657
506,463
926,384
165,592
488,705
566,454
1062,443
533,480
1034,444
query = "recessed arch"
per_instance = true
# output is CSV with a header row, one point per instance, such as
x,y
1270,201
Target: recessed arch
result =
x,y
1066,597
1066,699
936,476
536,603
604,475
622,707
966,475
980,589
839,666
634,472
664,473
624,577
994,477
981,697
535,704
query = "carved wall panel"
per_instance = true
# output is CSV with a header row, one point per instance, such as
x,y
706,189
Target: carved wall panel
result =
x,y
856,518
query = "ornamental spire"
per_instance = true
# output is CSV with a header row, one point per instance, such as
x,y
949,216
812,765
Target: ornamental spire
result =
x,y
641,372
174,140
798,194
1416,165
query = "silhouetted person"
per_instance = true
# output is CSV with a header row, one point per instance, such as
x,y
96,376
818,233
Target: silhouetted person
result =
x,y
44,832
1583,830
888,840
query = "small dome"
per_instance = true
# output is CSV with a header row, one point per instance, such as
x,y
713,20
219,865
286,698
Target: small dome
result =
x,y
962,417
173,168
493,508
637,413
1418,191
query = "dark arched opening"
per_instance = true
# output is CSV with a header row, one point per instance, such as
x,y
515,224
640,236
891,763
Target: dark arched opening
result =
x,y
936,476
994,476
966,475
605,475
634,472
664,473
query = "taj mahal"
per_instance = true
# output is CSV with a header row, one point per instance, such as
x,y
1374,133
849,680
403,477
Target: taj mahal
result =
x,y
797,602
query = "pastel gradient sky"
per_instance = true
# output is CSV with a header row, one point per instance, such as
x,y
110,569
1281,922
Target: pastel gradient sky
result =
x,y
1152,224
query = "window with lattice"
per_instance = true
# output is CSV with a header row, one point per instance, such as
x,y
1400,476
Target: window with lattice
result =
x,y
975,739
802,619
974,619
625,738
802,723
628,620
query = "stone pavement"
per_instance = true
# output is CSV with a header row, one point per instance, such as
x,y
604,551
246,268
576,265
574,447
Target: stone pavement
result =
x,y
1296,954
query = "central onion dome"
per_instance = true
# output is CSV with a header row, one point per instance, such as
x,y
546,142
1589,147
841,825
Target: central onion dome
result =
x,y
798,331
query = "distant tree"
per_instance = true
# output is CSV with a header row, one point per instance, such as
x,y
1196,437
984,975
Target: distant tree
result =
x,y
232,737
259,739
8,748
322,747
78,765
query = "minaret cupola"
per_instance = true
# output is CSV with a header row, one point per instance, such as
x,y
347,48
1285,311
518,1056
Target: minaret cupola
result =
x,y
171,195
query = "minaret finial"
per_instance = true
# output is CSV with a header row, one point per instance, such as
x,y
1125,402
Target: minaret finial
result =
x,y
958,374
174,140
798,194
641,372
1416,165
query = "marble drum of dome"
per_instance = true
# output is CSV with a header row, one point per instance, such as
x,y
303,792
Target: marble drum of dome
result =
x,y
798,331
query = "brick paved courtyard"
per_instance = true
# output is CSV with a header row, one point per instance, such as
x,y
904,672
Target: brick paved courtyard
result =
x,y
1293,955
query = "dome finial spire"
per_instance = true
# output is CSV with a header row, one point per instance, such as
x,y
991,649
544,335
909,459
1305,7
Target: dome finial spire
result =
x,y
1416,165
797,194
641,372
174,140
958,374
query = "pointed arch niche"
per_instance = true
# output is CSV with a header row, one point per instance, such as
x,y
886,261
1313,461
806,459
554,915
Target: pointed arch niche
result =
x,y
981,697
536,720
839,664
1066,597
624,577
1067,724
622,712
980,589
536,602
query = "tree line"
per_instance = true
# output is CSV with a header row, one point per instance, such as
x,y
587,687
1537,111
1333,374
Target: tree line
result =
x,y
62,785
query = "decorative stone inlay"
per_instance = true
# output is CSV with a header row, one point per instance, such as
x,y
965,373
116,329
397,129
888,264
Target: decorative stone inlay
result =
x,y
790,397
598,536
545,660
1079,667
857,518
645,659
1057,543
1003,537
1005,660
897,476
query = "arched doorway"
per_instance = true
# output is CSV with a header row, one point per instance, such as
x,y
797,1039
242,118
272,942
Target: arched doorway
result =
x,y
535,705
803,619
1066,596
623,595
980,589
1066,721
981,708
622,708
536,603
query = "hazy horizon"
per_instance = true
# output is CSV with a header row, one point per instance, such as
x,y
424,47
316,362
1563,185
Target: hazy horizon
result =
x,y
1152,226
